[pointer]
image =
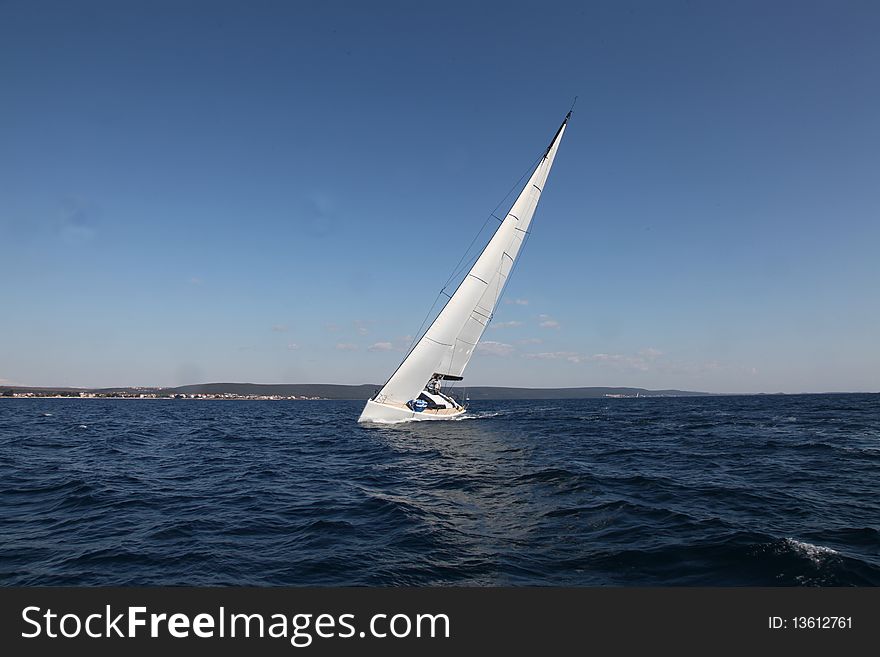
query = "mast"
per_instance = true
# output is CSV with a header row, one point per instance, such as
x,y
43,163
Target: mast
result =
x,y
448,345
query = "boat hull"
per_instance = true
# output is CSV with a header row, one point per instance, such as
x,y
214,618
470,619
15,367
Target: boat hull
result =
x,y
389,414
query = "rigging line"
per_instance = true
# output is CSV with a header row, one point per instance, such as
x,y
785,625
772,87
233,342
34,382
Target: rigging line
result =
x,y
419,334
458,269
502,286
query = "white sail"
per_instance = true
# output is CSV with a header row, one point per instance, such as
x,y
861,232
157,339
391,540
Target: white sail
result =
x,y
448,344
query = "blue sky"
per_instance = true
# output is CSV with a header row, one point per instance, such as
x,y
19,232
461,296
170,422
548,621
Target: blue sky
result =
x,y
275,191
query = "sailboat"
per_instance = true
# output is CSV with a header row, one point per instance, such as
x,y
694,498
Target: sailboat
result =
x,y
414,390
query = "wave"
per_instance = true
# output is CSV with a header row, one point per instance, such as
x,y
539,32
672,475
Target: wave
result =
x,y
666,492
815,553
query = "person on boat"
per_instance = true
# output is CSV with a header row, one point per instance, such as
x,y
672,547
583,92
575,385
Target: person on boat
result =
x,y
434,385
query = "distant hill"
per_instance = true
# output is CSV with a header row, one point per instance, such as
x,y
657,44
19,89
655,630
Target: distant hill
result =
x,y
363,392
489,392
323,390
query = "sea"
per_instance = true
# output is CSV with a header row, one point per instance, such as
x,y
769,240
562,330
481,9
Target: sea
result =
x,y
780,490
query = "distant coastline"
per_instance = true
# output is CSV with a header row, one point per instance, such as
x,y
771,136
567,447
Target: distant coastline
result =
x,y
323,391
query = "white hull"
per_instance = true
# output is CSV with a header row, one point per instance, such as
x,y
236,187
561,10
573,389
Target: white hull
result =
x,y
389,414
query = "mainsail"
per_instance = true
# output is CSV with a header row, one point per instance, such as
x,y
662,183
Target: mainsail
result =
x,y
448,344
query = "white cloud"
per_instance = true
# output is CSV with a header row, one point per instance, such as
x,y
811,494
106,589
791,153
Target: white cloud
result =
x,y
361,326
346,346
622,361
331,328
280,328
530,341
518,302
642,361
292,346
502,325
570,356
645,360
545,321
495,348
381,346
689,369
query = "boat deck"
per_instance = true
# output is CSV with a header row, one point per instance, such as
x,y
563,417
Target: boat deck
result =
x,y
442,411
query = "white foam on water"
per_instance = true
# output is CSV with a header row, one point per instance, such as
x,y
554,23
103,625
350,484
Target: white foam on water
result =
x,y
478,416
815,553
380,421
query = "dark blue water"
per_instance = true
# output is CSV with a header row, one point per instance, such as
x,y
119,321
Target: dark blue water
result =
x,y
686,491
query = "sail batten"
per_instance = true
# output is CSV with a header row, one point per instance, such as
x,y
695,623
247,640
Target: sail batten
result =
x,y
448,344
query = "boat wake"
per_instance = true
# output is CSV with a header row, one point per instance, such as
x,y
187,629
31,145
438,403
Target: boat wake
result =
x,y
483,415
815,553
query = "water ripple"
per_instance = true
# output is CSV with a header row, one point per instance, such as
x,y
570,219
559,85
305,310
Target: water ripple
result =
x,y
727,491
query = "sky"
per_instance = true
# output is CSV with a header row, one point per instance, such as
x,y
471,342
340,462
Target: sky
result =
x,y
275,192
